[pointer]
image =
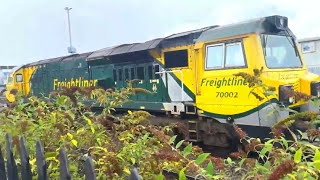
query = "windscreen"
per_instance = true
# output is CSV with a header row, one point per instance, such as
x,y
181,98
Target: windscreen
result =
x,y
9,79
280,52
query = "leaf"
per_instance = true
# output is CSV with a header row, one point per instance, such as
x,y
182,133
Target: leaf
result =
x,y
284,142
130,112
70,135
265,149
51,156
242,161
92,129
209,168
74,142
80,130
126,170
182,176
145,137
229,160
261,168
201,158
133,160
160,176
311,171
237,169
293,135
71,115
179,144
298,156
187,150
172,139
99,141
316,159
88,120
33,161
267,164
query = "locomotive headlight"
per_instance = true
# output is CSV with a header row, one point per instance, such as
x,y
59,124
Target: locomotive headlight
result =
x,y
291,100
315,89
286,94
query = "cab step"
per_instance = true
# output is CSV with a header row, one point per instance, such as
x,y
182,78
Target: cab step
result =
x,y
193,131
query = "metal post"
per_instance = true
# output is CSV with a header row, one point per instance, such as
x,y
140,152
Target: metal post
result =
x,y
70,48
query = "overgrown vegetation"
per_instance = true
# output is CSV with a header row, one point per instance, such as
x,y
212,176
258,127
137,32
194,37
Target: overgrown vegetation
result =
x,y
118,143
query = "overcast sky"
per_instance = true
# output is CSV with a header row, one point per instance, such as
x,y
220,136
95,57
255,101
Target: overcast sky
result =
x,y
32,30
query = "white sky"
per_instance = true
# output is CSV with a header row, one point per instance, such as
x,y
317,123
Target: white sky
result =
x,y
32,30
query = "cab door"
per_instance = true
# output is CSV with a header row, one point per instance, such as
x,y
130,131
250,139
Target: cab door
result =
x,y
142,83
179,75
19,82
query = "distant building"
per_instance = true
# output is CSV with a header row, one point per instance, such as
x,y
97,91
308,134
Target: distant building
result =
x,y
310,48
4,70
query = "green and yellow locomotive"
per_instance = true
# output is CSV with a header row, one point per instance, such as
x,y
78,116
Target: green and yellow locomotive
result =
x,y
192,74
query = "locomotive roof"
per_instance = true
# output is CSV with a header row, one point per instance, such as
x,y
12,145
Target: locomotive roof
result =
x,y
124,48
260,25
152,44
58,59
45,61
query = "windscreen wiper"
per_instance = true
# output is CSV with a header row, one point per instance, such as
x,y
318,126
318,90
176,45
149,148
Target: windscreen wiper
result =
x,y
291,41
264,43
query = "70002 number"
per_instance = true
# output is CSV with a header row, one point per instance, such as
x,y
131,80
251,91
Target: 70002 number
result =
x,y
227,94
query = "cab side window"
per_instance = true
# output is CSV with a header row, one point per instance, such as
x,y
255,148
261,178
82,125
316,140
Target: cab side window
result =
x,y
19,78
157,71
176,59
150,73
140,73
132,74
120,75
115,75
225,55
234,55
126,74
215,57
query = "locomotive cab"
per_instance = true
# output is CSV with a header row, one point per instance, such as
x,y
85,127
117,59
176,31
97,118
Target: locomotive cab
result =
x,y
265,44
14,83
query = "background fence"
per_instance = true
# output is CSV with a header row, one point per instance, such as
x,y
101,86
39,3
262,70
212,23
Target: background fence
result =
x,y
9,169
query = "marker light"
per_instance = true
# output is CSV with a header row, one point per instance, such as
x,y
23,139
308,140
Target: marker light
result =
x,y
315,89
285,94
291,100
279,22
